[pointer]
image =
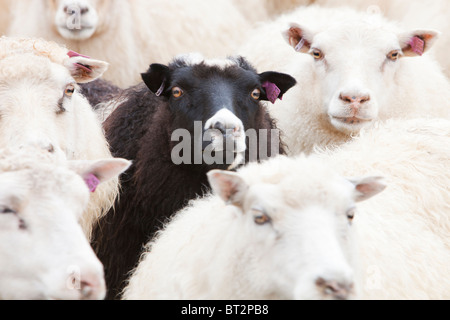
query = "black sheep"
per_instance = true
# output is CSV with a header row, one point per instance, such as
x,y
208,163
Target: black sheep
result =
x,y
224,96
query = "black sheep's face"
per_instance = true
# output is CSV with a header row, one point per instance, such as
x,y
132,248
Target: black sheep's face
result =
x,y
217,99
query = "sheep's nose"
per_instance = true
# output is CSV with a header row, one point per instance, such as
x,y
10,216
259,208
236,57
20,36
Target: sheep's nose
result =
x,y
71,10
91,285
91,290
354,100
225,129
334,289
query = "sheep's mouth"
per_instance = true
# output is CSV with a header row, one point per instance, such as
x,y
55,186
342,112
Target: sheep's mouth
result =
x,y
76,30
352,120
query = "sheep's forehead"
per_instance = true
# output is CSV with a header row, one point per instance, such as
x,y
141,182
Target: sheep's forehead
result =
x,y
358,35
28,66
298,184
193,59
42,184
10,47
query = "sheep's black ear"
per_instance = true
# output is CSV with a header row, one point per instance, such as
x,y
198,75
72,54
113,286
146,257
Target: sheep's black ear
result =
x,y
275,85
157,78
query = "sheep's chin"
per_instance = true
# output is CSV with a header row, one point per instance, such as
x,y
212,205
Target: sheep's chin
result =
x,y
76,34
349,125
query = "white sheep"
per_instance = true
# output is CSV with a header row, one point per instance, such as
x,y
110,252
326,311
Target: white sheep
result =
x,y
403,234
411,14
41,104
269,232
352,68
44,253
283,233
132,34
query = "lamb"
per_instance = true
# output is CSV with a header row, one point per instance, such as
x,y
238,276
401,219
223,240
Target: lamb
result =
x,y
189,117
41,104
398,247
42,198
352,68
128,34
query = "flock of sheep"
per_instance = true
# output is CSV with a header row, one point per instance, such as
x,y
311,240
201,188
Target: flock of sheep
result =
x,y
346,195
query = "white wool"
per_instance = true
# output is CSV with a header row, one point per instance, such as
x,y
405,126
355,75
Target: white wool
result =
x,y
403,232
133,34
33,78
401,235
211,250
410,87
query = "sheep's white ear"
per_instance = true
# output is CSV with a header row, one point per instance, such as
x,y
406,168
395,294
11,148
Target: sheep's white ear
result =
x,y
298,37
95,172
228,185
417,42
367,187
84,69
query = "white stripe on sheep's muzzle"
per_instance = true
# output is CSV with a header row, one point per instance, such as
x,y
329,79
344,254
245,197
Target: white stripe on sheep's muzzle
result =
x,y
225,130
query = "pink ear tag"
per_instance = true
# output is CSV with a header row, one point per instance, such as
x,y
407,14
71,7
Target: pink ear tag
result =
x,y
92,182
272,91
300,45
72,54
84,67
417,45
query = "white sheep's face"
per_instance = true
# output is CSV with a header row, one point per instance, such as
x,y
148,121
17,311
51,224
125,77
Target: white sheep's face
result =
x,y
44,253
40,103
77,19
299,240
356,64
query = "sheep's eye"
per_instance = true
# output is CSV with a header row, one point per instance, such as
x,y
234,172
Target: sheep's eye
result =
x,y
177,92
350,214
6,210
317,54
69,91
260,217
256,94
393,55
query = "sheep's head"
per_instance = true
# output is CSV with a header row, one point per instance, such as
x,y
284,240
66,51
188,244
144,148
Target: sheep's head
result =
x,y
296,217
78,19
221,96
44,253
356,62
40,103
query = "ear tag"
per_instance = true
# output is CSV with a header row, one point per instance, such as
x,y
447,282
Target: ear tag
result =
x,y
160,90
72,54
84,67
272,91
92,182
300,45
417,45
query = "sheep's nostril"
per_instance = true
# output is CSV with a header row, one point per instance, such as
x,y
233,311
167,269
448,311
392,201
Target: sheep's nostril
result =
x,y
364,99
334,289
86,289
221,127
347,99
51,148
354,98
